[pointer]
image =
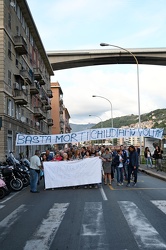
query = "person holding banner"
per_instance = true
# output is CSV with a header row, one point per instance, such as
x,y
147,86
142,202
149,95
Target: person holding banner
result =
x,y
107,161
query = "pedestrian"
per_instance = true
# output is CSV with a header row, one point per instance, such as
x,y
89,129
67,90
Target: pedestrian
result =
x,y
158,158
124,156
119,167
147,155
65,156
83,152
107,161
133,165
43,159
35,167
57,157
113,166
49,156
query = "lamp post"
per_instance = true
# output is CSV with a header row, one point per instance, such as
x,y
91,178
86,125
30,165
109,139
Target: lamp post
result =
x,y
138,88
101,123
111,107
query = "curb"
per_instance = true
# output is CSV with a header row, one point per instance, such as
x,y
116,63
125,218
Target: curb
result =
x,y
159,176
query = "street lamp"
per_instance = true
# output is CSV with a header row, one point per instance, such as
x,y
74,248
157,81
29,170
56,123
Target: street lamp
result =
x,y
138,88
139,113
99,118
110,104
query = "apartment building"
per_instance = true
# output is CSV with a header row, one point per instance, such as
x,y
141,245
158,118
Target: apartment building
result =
x,y
25,93
60,114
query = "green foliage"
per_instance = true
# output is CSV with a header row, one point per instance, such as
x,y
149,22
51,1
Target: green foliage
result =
x,y
158,116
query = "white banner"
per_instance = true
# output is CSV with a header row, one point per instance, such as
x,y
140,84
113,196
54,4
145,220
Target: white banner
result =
x,y
87,135
72,173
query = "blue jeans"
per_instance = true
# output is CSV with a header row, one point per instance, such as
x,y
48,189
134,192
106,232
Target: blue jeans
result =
x,y
119,175
148,161
34,176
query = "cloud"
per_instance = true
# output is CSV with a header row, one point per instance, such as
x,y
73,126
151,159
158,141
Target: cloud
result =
x,y
120,88
83,24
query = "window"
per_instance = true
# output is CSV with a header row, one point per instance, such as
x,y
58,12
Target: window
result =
x,y
10,107
31,39
18,112
17,31
18,11
9,141
9,78
23,23
17,61
9,20
9,50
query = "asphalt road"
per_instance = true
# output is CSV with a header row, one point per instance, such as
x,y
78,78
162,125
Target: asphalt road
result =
x,y
111,217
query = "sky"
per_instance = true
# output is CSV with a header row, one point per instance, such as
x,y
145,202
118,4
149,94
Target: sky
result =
x,y
83,25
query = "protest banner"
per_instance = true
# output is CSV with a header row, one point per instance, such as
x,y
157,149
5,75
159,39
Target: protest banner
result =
x,y
87,135
72,173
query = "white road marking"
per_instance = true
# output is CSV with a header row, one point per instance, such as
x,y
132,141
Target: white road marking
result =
x,y
161,204
1,206
9,197
11,219
93,232
103,194
44,235
144,233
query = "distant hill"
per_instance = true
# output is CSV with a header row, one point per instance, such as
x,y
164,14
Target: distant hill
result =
x,y
81,127
153,119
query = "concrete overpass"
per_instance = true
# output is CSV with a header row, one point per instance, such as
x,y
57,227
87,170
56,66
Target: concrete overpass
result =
x,y
67,59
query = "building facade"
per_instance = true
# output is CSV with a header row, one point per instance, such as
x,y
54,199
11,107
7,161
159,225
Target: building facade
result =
x,y
25,104
60,114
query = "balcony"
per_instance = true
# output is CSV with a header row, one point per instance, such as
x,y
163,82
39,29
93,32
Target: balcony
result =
x,y
42,82
37,74
34,88
38,113
48,107
68,128
26,76
61,101
50,122
20,45
61,110
20,97
44,100
49,93
61,121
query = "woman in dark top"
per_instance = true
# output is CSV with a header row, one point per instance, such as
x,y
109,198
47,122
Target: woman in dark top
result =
x,y
158,158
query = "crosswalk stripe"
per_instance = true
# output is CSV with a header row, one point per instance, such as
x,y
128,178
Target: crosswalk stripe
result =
x,y
144,233
11,219
93,232
103,194
43,237
161,204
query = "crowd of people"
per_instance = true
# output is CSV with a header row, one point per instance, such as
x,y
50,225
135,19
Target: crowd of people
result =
x,y
121,162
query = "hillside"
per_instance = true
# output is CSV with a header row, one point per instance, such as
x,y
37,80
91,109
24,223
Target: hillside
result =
x,y
153,119
80,127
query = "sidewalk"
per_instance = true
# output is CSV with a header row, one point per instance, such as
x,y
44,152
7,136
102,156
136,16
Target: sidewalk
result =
x,y
152,171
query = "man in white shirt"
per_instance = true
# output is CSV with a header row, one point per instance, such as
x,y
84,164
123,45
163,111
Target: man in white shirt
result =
x,y
35,166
